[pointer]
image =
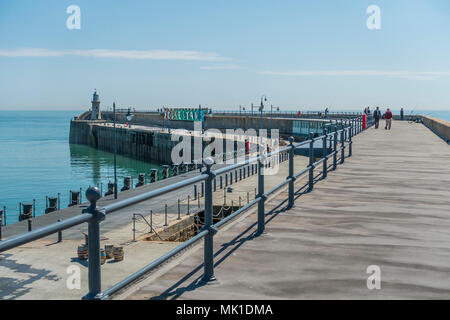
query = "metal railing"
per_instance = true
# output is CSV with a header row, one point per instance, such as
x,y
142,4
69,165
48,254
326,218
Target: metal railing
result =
x,y
93,215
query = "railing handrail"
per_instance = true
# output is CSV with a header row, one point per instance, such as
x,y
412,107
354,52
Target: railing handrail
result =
x,y
93,215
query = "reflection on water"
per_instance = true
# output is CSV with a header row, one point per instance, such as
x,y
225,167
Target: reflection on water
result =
x,y
36,160
98,166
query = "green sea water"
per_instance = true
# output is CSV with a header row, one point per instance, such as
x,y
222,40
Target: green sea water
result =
x,y
36,160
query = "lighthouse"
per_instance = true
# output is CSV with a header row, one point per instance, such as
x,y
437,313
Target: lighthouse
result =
x,y
96,114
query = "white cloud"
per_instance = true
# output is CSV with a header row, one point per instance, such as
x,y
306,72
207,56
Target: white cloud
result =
x,y
117,54
222,66
412,75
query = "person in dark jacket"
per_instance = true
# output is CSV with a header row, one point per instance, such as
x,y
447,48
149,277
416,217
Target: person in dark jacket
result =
x,y
388,117
377,117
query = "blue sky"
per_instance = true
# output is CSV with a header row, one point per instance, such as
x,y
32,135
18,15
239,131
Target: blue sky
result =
x,y
222,54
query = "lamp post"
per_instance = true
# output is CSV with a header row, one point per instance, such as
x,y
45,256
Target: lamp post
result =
x,y
261,108
271,114
115,152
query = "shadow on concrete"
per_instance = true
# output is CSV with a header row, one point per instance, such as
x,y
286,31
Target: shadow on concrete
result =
x,y
13,288
84,263
177,290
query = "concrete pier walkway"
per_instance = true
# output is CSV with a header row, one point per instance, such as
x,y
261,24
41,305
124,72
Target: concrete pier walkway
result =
x,y
386,206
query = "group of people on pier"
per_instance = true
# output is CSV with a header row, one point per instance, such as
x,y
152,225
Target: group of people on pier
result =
x,y
377,115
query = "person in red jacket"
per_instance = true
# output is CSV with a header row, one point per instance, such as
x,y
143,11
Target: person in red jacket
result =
x,y
388,118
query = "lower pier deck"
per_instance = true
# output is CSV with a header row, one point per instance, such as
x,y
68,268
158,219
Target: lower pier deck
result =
x,y
388,205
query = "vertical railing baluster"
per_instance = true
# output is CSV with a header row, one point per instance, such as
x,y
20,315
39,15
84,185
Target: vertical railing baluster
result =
x,y
311,162
325,153
291,172
209,238
261,195
335,149
350,142
94,270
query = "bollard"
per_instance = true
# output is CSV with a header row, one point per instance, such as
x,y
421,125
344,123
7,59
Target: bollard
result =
x,y
342,146
51,204
165,171
174,170
224,197
291,172
126,183
179,211
59,233
324,154
27,211
248,197
220,182
209,238
226,179
94,272
198,200
29,225
311,162
215,185
111,188
141,180
153,175
231,177
235,176
261,225
195,192
335,150
240,174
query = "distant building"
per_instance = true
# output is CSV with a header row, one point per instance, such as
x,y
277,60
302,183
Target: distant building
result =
x,y
96,113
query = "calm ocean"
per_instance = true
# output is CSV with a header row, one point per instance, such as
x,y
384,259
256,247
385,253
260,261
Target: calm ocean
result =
x,y
36,160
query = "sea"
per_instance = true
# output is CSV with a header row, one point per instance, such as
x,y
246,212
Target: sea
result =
x,y
36,160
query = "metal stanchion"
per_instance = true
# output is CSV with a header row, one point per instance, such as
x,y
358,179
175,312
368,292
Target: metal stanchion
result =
x,y
209,238
311,162
291,172
94,271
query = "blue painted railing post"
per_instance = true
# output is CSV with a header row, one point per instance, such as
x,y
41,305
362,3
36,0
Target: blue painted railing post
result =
x,y
261,226
324,154
335,149
311,162
291,172
342,145
350,142
209,238
94,269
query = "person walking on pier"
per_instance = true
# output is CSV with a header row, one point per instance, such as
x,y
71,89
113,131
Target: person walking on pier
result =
x,y
377,117
388,118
